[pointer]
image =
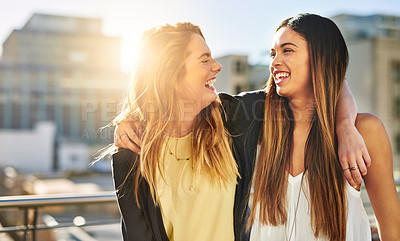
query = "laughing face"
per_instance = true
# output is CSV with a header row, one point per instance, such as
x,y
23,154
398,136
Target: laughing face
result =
x,y
290,65
196,88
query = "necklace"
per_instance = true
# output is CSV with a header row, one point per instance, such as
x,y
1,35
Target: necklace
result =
x,y
192,185
178,158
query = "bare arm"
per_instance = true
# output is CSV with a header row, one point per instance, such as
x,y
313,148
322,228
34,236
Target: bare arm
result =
x,y
352,150
379,180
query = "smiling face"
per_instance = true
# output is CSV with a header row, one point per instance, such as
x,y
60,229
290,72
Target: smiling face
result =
x,y
196,88
290,65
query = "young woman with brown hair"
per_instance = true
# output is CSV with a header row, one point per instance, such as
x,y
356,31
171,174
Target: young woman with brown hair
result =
x,y
300,192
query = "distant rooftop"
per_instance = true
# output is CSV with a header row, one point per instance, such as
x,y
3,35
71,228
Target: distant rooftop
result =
x,y
63,24
377,19
370,26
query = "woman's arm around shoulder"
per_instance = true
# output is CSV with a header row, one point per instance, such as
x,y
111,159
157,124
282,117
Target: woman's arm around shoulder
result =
x,y
379,180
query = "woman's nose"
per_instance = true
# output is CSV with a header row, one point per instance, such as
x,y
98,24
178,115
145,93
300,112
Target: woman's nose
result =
x,y
276,61
216,66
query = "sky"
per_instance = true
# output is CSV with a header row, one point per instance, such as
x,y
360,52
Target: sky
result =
x,y
243,27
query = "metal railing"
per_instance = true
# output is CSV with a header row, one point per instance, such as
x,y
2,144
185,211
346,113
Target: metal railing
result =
x,y
34,202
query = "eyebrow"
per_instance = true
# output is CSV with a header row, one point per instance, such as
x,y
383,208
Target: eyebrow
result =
x,y
204,55
285,44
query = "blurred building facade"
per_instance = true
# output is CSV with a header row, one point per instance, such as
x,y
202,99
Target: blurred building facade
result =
x,y
374,68
61,69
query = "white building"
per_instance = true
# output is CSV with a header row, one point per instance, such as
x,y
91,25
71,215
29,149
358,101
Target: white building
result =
x,y
34,151
28,151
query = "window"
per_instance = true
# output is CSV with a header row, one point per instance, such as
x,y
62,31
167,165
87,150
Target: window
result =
x,y
397,143
391,32
396,88
396,107
362,33
78,57
396,72
238,89
239,67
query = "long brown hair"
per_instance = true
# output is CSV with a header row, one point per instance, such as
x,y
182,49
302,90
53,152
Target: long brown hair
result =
x,y
326,183
153,98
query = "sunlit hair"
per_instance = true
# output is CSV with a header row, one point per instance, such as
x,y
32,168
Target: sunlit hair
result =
x,y
153,99
327,196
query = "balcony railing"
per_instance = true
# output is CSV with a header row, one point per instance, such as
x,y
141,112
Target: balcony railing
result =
x,y
29,203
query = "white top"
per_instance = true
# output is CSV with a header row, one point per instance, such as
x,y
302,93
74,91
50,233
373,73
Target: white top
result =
x,y
298,226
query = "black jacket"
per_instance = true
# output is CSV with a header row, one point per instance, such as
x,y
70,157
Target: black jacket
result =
x,y
245,115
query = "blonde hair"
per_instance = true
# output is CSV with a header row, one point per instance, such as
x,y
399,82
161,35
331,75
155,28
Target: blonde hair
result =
x,y
153,97
327,196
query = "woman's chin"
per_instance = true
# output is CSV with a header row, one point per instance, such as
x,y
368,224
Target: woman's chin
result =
x,y
280,93
209,101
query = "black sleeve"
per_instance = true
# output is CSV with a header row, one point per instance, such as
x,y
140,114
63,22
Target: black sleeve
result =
x,y
243,110
244,119
134,220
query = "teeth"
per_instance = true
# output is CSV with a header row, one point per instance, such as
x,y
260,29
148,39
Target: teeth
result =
x,y
282,75
210,82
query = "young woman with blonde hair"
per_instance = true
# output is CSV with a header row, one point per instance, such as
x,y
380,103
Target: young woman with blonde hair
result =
x,y
182,185
300,192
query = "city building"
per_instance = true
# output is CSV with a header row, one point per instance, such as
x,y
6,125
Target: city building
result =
x,y
374,68
61,69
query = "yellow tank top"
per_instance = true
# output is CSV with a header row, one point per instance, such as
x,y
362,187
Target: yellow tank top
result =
x,y
192,207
